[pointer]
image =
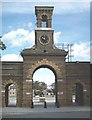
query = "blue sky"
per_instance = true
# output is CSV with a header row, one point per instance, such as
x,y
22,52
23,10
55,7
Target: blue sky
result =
x,y
71,24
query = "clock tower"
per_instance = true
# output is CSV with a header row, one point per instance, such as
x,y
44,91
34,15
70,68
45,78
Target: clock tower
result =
x,y
44,40
44,32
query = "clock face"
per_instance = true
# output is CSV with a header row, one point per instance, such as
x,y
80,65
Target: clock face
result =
x,y
44,39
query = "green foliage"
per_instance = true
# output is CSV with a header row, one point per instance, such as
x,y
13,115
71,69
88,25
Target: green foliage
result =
x,y
2,45
53,87
39,85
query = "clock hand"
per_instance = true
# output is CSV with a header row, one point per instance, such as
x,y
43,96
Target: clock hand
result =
x,y
43,37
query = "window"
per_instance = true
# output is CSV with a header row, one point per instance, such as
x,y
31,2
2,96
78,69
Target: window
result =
x,y
44,24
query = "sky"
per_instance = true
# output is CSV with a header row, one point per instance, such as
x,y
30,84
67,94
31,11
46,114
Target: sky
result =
x,y
70,22
48,76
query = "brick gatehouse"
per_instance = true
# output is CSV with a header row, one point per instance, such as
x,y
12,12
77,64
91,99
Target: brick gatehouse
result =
x,y
44,54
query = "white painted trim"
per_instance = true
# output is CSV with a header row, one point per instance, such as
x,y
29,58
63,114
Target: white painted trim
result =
x,y
59,80
84,90
28,93
60,93
42,28
28,80
3,91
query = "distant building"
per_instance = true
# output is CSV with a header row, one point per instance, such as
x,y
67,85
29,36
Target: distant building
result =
x,y
12,90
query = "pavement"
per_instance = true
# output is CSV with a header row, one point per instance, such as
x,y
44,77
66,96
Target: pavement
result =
x,y
39,110
50,112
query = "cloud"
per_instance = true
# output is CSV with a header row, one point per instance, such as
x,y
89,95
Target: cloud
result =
x,y
46,1
11,57
61,6
82,50
17,7
19,37
57,36
71,7
30,24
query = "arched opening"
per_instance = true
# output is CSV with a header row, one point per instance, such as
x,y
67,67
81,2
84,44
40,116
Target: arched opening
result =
x,y
44,21
10,95
44,24
44,86
77,97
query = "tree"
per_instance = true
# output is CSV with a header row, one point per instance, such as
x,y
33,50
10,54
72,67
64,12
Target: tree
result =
x,y
52,86
2,45
38,87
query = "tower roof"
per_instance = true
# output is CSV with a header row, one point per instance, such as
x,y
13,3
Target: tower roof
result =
x,y
43,9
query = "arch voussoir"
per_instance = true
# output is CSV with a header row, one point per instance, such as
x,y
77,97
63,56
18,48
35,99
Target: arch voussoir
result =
x,y
45,62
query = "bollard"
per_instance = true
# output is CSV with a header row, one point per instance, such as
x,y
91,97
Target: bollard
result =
x,y
57,104
32,105
45,106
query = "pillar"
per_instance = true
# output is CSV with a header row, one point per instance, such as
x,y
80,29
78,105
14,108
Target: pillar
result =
x,y
27,93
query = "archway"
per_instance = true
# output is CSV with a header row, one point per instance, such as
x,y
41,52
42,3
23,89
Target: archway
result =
x,y
46,79
77,97
60,91
10,95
